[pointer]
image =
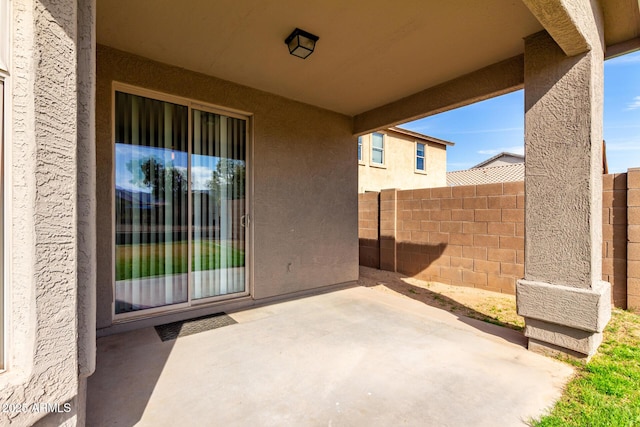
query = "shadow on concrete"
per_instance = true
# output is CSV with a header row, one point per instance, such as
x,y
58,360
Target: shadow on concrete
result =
x,y
465,314
127,370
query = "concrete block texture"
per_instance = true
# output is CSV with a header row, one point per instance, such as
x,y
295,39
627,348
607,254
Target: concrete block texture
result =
x,y
565,337
502,240
633,178
585,309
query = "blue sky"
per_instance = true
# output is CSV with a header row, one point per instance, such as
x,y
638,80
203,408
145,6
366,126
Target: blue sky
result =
x,y
489,127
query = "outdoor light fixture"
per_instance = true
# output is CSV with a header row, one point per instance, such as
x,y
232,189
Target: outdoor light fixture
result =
x,y
301,43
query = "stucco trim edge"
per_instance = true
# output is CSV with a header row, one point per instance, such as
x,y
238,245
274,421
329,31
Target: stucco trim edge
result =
x,y
584,309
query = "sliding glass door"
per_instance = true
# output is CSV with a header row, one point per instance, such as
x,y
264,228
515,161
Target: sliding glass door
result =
x,y
180,205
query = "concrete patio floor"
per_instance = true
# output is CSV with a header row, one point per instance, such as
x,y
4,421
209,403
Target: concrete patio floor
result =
x,y
355,357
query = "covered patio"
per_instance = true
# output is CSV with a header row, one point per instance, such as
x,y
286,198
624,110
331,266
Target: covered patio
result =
x,y
357,356
118,217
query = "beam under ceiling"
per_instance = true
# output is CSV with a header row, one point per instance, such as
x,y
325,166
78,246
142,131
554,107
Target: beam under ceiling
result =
x,y
496,79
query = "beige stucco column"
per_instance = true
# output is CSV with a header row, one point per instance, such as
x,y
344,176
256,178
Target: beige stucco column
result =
x,y
562,297
49,185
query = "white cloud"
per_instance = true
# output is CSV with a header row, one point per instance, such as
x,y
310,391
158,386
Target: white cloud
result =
x,y
200,177
516,149
634,104
623,145
511,129
621,127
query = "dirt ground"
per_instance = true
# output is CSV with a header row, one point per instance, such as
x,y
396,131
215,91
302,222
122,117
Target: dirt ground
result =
x,y
492,307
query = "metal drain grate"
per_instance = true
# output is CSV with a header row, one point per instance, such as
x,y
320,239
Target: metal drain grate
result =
x,y
171,331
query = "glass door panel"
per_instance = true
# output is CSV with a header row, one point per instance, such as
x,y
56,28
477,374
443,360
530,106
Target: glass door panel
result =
x,y
151,203
218,170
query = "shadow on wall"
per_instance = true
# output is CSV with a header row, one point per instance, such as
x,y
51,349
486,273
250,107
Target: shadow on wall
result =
x,y
413,259
369,252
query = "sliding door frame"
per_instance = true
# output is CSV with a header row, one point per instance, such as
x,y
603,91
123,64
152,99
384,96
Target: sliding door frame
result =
x,y
191,105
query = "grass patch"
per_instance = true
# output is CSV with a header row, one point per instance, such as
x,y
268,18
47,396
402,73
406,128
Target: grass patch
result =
x,y
158,259
605,392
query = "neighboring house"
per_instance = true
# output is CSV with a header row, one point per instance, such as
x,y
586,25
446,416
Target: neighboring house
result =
x,y
399,158
501,159
488,175
238,161
504,167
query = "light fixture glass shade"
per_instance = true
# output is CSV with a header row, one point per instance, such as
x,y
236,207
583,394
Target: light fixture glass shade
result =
x,y
301,43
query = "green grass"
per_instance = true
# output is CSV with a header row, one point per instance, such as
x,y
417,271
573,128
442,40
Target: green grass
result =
x,y
157,259
606,391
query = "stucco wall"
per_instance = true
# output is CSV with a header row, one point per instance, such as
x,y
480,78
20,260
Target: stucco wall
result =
x,y
399,170
564,240
42,174
305,179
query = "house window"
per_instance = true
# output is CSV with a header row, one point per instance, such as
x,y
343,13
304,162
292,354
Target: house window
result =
x,y
377,148
359,149
420,164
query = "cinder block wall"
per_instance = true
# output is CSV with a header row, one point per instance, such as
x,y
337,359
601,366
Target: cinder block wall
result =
x,y
614,236
468,236
633,236
368,222
474,235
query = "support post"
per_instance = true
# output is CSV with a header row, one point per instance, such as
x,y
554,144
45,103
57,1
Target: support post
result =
x,y
388,221
565,303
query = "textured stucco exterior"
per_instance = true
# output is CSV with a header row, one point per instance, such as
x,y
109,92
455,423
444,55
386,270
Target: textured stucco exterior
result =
x,y
42,186
563,246
564,230
571,23
304,179
399,169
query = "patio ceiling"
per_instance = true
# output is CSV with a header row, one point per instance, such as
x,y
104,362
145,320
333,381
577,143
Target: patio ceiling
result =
x,y
369,54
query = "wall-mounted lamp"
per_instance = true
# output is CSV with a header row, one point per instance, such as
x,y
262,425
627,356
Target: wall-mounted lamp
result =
x,y
301,43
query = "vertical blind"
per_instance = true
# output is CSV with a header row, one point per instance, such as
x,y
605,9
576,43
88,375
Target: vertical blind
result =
x,y
166,193
151,203
218,236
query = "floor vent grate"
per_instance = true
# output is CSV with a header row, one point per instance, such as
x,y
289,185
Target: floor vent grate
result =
x,y
171,331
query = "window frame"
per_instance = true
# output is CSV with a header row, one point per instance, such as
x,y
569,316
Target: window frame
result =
x,y
422,171
382,150
361,150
